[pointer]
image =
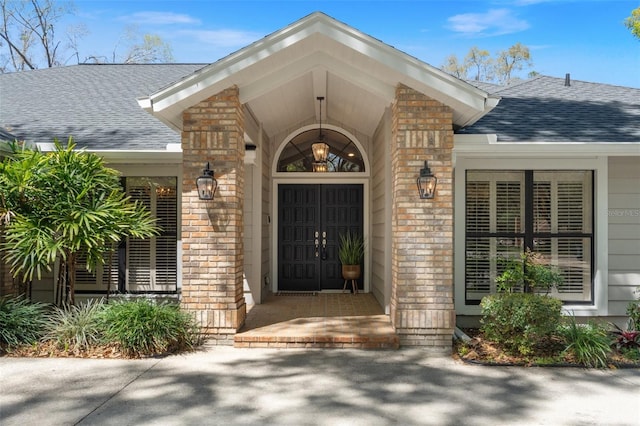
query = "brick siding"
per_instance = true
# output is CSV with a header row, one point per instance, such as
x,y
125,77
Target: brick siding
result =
x,y
422,309
212,231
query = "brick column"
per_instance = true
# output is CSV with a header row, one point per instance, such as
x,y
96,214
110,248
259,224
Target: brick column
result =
x,y
422,309
212,248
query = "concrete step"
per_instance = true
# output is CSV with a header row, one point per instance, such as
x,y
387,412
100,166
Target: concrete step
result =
x,y
327,341
319,320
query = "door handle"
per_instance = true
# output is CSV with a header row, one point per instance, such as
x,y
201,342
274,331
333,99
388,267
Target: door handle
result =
x,y
316,243
324,246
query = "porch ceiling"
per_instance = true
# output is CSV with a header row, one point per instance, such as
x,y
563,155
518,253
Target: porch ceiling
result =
x,y
281,76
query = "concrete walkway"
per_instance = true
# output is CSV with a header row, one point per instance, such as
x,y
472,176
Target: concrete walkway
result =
x,y
224,385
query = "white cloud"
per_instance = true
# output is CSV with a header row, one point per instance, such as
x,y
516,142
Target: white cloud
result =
x,y
530,2
222,38
159,18
492,23
539,46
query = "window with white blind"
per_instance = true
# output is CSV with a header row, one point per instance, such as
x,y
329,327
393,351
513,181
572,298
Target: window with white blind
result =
x,y
136,265
152,262
549,212
103,276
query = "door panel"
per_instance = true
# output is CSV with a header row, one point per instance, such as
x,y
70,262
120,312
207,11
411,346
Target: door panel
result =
x,y
296,249
305,210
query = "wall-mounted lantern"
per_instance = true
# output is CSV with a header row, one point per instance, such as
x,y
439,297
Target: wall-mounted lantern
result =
x,y
427,183
206,184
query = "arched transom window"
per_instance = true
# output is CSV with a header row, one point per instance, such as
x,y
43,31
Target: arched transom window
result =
x,y
343,154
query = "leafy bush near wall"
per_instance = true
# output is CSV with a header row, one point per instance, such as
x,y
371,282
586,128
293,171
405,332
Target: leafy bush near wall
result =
x,y
144,327
133,328
21,321
520,322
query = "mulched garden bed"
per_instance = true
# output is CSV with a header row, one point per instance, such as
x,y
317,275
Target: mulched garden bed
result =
x,y
485,352
51,350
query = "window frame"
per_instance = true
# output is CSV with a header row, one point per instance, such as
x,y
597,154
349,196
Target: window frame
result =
x,y
533,157
524,234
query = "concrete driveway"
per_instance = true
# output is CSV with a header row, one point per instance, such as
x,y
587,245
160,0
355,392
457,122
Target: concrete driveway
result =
x,y
223,385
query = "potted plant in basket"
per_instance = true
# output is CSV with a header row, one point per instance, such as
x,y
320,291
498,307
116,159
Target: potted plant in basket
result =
x,y
350,253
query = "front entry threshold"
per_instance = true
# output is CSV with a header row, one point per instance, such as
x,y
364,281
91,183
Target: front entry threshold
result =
x,y
325,320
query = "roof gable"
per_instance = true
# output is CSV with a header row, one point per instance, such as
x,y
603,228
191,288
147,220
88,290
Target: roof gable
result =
x,y
328,54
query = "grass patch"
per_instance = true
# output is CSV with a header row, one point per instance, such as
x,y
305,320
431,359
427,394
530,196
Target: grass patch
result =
x,y
76,327
589,344
143,327
21,321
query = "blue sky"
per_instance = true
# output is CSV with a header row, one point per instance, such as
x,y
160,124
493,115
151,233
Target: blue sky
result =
x,y
586,38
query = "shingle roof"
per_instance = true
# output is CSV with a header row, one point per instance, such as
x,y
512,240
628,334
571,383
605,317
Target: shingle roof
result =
x,y
544,109
96,104
6,136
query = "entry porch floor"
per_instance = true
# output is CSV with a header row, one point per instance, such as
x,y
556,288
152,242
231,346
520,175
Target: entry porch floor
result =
x,y
321,320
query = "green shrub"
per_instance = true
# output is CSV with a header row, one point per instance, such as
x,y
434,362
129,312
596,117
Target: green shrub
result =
x,y
75,327
21,321
631,354
529,273
588,343
520,322
143,327
633,311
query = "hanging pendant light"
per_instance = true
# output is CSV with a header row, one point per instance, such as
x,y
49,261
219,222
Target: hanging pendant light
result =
x,y
320,149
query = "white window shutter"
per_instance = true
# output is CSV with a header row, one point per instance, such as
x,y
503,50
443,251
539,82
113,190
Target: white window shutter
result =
x,y
568,197
152,263
166,262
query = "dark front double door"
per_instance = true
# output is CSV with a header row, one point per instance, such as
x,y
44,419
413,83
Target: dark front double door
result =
x,y
311,219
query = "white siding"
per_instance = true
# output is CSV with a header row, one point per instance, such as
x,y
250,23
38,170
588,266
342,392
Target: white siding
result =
x,y
381,215
266,214
247,217
256,216
624,232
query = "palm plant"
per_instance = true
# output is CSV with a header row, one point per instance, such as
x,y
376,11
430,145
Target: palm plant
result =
x,y
56,205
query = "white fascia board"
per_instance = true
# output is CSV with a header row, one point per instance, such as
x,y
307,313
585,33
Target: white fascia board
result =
x,y
145,103
482,145
45,146
172,154
141,157
467,120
